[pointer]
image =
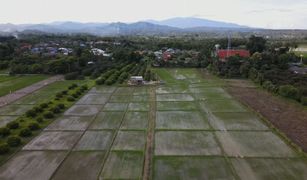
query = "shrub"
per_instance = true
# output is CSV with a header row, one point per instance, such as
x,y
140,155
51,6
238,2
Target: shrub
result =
x,y
48,115
75,95
73,86
268,85
13,141
61,106
12,125
39,119
100,81
64,92
70,98
26,132
34,126
59,95
4,148
289,92
304,101
38,109
71,76
31,113
84,87
55,110
4,131
43,105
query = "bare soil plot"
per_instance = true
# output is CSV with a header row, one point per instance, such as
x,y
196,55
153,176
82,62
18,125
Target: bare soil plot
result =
x,y
130,141
14,110
120,98
176,106
95,140
174,97
236,121
135,121
115,107
107,120
83,110
281,169
102,89
54,141
191,168
185,143
93,99
124,91
254,144
34,165
289,118
226,105
71,123
138,106
181,120
80,166
123,165
6,119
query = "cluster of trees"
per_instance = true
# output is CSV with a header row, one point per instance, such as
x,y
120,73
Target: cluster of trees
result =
x,y
268,67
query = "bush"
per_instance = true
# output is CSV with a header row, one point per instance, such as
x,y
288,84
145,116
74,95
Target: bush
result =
x,y
12,125
304,101
70,98
31,113
73,86
26,132
268,85
38,109
48,115
100,81
64,92
43,105
71,76
13,141
39,119
59,95
61,106
55,110
4,148
4,131
289,92
84,87
34,126
75,95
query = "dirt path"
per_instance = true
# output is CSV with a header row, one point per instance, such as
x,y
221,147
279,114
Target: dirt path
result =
x,y
9,98
289,118
147,171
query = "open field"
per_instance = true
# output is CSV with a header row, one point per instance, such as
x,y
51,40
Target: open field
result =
x,y
11,83
199,131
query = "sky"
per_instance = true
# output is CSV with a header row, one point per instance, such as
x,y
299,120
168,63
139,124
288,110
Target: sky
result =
x,y
275,14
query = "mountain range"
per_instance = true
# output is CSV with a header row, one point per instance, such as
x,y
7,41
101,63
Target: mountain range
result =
x,y
148,27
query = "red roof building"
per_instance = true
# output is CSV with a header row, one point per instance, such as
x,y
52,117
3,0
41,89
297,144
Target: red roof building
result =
x,y
224,53
167,56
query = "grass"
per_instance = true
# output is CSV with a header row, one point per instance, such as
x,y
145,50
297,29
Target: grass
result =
x,y
14,84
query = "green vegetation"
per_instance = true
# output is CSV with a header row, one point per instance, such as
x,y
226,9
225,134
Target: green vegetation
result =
x,y
12,83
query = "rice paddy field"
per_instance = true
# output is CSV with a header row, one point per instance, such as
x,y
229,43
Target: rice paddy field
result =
x,y
199,132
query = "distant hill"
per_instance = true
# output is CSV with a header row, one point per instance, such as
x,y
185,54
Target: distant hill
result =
x,y
191,22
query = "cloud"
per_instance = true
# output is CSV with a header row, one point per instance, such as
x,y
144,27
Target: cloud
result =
x,y
280,10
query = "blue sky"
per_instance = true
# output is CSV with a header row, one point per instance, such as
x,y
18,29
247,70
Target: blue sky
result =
x,y
255,13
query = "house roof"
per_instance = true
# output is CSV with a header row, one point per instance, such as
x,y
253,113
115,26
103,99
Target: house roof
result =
x,y
224,53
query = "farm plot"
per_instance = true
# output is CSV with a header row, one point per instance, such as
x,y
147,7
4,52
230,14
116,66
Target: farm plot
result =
x,y
135,121
175,97
185,143
192,168
83,110
129,141
70,123
181,120
123,165
177,106
95,140
80,166
107,120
